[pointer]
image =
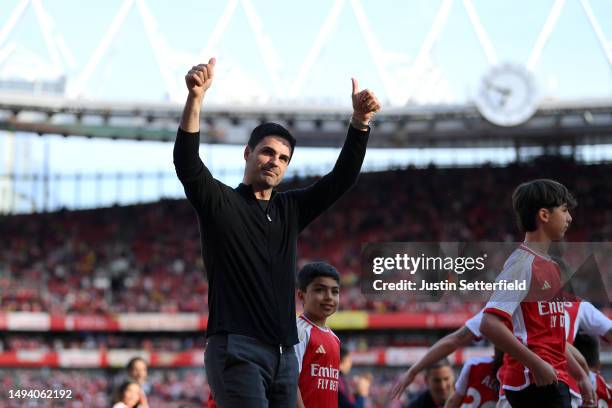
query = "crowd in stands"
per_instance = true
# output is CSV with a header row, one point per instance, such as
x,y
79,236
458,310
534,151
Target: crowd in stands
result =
x,y
146,258
171,388
176,342
56,341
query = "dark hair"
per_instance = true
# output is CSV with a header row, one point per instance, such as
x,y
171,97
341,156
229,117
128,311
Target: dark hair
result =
x,y
313,270
498,361
122,388
588,346
344,352
270,129
530,197
438,364
133,361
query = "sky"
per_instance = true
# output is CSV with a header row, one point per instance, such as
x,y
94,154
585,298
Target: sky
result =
x,y
272,52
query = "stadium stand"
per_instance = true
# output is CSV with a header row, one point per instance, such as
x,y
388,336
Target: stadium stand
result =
x,y
87,288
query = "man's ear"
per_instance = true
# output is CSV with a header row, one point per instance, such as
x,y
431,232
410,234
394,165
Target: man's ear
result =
x,y
247,152
300,295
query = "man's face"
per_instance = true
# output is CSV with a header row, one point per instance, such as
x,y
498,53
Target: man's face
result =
x,y
556,222
440,382
138,371
321,297
267,162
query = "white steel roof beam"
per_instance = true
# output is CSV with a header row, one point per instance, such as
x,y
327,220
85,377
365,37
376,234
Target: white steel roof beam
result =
x,y
483,38
77,87
218,31
47,30
606,47
16,14
431,38
160,50
547,30
376,51
269,56
315,50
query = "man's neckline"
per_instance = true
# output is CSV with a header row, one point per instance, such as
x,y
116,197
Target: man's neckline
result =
x,y
248,190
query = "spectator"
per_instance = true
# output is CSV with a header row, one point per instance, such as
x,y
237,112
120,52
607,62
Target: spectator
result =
x,y
137,372
130,395
440,381
351,395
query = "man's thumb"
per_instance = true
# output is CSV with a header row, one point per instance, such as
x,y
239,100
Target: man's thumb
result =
x,y
355,86
212,61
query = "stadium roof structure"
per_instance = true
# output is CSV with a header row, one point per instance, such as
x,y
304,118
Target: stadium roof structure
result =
x,y
572,123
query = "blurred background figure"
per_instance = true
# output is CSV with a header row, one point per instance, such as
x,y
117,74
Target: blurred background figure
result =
x,y
353,390
440,380
137,372
130,395
589,348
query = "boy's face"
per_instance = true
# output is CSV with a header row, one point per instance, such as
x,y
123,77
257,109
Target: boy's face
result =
x,y
556,222
321,297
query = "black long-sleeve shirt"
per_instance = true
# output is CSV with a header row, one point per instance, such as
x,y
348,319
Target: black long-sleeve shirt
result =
x,y
249,253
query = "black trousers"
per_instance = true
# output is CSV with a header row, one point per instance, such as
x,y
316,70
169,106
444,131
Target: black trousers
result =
x,y
550,396
246,373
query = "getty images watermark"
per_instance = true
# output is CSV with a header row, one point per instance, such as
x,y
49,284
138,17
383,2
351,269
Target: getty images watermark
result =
x,y
454,271
425,264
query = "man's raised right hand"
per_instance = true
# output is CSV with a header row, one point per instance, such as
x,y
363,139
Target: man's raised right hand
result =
x,y
199,78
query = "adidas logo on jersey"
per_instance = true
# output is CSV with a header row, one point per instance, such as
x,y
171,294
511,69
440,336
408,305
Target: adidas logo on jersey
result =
x,y
320,350
546,285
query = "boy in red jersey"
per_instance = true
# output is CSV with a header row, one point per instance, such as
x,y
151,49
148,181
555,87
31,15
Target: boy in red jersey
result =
x,y
529,325
477,385
318,351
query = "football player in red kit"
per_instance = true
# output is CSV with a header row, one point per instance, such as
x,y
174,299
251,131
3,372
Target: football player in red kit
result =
x,y
529,325
318,351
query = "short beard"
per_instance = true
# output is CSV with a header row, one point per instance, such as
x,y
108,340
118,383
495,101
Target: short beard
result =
x,y
264,185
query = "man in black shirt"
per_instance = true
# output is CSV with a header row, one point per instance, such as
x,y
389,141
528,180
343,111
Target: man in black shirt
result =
x,y
249,239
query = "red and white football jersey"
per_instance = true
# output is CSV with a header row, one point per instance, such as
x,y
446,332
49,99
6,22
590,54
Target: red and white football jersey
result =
x,y
477,383
603,391
572,321
582,314
536,315
473,325
318,354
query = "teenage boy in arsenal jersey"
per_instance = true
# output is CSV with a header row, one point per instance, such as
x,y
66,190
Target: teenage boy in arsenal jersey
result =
x,y
318,351
529,325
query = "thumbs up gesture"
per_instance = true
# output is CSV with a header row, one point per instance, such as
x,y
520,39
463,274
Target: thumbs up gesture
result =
x,y
199,78
365,104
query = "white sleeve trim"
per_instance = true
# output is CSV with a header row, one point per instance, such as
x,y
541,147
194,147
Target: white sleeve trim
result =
x,y
517,267
473,324
303,330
